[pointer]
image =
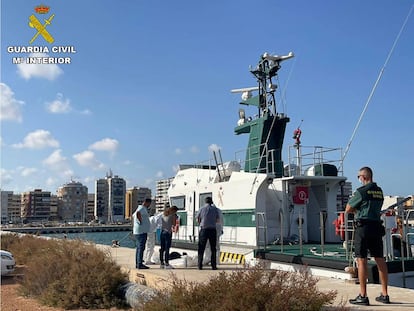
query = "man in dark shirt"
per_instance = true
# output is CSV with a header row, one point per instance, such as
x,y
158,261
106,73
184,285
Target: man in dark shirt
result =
x,y
207,217
366,204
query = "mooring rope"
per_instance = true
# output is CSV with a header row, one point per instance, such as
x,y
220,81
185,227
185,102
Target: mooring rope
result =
x,y
375,86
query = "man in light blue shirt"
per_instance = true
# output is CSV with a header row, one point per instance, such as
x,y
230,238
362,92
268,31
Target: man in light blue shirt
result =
x,y
208,216
141,227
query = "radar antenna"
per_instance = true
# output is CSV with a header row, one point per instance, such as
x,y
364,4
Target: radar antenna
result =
x,y
267,128
265,70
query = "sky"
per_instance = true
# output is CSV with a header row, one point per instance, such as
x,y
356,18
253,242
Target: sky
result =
x,y
146,86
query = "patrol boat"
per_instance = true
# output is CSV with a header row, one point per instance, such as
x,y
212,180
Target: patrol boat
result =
x,y
283,212
262,198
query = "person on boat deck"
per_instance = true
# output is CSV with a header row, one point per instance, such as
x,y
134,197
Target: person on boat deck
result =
x,y
207,217
219,229
155,222
396,240
168,221
141,227
366,204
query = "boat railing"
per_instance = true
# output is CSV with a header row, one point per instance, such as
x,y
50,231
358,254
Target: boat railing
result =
x,y
267,159
302,161
314,161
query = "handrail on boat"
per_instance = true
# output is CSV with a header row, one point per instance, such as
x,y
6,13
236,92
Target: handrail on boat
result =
x,y
299,161
303,158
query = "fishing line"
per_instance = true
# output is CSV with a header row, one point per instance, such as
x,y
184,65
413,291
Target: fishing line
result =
x,y
375,86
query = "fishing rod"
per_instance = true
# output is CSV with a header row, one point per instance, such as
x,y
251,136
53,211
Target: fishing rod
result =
x,y
375,87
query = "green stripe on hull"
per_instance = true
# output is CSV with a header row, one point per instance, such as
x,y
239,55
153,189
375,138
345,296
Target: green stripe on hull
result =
x,y
183,218
232,218
239,218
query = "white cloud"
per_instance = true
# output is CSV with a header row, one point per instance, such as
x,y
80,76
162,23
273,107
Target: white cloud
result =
x,y
148,182
86,112
106,144
50,181
87,158
176,168
62,105
10,107
89,179
27,171
194,149
47,71
55,159
214,147
59,105
5,177
178,151
159,174
38,139
58,163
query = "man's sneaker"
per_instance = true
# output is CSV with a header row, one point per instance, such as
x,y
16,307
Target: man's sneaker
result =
x,y
143,267
168,266
383,299
359,300
161,266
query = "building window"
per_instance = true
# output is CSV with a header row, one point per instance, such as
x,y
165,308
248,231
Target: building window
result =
x,y
179,202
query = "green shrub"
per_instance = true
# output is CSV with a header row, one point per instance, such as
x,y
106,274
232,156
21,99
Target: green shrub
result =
x,y
254,289
67,274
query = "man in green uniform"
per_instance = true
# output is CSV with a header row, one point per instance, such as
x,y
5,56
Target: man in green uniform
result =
x,y
366,204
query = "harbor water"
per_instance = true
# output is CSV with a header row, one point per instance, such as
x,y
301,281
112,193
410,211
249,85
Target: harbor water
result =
x,y
105,238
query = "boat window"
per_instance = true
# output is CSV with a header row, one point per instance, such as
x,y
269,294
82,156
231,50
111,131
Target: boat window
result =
x,y
178,201
202,199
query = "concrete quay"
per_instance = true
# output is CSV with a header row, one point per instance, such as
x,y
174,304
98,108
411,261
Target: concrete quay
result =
x,y
401,298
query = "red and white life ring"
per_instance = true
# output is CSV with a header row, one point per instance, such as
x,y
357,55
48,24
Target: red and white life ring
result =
x,y
176,226
340,225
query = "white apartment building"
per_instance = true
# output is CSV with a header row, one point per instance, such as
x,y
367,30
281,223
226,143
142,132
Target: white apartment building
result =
x,y
110,199
161,197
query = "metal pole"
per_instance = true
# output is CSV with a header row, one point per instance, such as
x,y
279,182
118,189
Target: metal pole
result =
x,y
322,233
281,231
298,159
402,259
300,232
348,247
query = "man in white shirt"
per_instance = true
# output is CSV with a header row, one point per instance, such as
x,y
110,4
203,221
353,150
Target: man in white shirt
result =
x,y
141,227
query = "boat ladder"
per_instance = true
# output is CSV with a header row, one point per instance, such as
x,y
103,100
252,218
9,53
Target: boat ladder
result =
x,y
221,171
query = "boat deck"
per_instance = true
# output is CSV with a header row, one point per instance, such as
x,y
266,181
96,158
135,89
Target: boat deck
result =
x,y
332,256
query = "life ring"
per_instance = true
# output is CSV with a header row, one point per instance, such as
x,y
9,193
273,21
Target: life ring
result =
x,y
176,226
340,225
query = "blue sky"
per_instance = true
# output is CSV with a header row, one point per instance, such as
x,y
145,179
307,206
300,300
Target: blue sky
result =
x,y
149,86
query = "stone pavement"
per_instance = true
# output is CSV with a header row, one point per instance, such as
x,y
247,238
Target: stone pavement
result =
x,y
401,298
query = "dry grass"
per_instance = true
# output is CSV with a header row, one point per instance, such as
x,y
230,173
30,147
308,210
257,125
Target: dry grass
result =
x,y
66,274
245,289
73,275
